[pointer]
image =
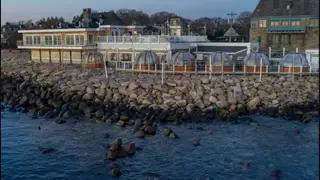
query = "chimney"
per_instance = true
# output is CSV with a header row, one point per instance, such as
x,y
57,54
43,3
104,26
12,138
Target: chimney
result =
x,y
86,14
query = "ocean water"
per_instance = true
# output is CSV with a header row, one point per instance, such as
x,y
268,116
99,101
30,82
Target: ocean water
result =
x,y
268,144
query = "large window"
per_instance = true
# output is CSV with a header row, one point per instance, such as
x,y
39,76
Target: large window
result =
x,y
314,23
262,23
285,23
56,39
28,40
48,40
293,39
295,23
253,24
275,38
285,39
79,39
70,39
90,39
274,23
36,40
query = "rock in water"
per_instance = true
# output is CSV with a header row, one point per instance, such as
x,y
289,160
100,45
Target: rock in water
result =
x,y
139,134
196,143
130,149
276,173
116,172
46,150
112,155
166,132
60,121
173,135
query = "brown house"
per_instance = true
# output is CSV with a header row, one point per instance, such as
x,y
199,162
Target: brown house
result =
x,y
286,24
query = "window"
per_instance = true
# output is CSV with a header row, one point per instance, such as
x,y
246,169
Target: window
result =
x,y
36,40
285,39
275,38
295,23
293,39
79,39
70,39
253,24
28,40
263,23
91,39
48,40
285,23
314,23
274,23
259,39
56,40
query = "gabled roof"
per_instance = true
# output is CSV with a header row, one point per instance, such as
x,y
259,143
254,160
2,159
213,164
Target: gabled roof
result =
x,y
279,8
109,18
231,31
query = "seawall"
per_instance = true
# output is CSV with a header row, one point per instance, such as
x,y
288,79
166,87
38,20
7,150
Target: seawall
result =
x,y
58,91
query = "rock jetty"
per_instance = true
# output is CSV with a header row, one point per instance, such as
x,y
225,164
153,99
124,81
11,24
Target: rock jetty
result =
x,y
127,99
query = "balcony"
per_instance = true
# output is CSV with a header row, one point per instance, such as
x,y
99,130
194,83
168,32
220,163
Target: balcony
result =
x,y
151,39
286,29
57,45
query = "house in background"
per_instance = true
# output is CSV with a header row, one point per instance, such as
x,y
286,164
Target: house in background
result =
x,y
235,37
288,24
10,35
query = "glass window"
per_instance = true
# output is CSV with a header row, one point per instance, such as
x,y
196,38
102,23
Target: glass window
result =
x,y
36,40
293,39
274,23
263,23
284,39
275,38
79,39
56,40
48,40
295,23
314,23
90,39
285,23
70,39
253,24
29,40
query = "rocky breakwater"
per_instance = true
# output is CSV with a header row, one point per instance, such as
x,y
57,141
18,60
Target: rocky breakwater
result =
x,y
128,99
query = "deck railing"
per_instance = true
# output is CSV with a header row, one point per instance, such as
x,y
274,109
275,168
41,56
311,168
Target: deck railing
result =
x,y
151,39
56,43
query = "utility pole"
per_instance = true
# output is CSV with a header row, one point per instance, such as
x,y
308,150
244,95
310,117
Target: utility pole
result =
x,y
205,29
232,15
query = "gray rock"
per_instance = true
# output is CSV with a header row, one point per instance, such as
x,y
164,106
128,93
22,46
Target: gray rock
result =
x,y
139,134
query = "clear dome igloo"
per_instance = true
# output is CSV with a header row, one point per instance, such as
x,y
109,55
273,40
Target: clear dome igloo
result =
x,y
147,57
294,60
181,59
255,58
93,60
220,58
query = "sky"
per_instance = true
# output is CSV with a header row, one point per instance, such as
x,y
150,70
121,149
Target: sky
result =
x,y
16,10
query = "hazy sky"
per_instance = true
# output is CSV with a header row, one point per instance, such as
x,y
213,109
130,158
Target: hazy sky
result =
x,y
15,10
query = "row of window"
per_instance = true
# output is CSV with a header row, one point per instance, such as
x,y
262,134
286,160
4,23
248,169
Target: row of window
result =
x,y
284,39
56,40
263,23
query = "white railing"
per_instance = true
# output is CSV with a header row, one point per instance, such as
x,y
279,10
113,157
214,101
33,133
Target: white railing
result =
x,y
210,70
151,39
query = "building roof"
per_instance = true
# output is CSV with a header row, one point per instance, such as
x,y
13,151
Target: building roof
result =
x,y
279,8
108,18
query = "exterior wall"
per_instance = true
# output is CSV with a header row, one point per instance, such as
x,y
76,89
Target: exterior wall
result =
x,y
45,56
35,55
55,56
76,57
308,39
65,57
312,38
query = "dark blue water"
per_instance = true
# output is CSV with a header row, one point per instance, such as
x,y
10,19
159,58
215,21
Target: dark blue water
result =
x,y
268,144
